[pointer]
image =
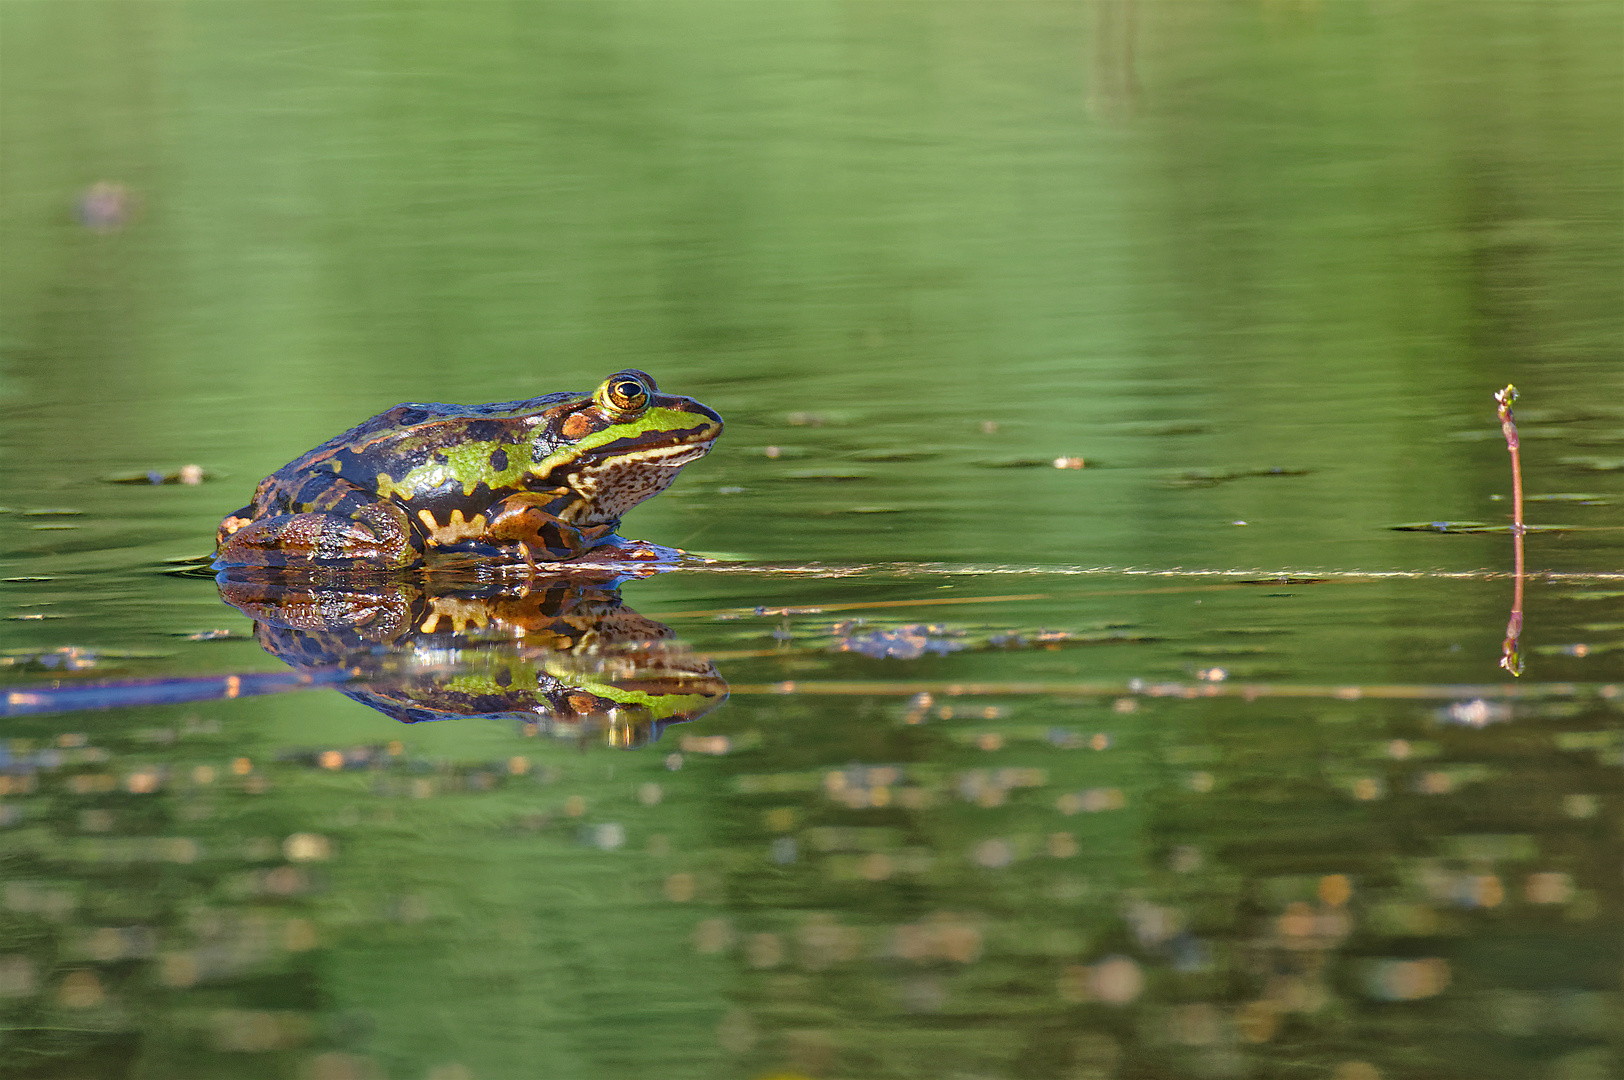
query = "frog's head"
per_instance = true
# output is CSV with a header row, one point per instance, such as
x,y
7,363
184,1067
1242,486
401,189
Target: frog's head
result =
x,y
622,444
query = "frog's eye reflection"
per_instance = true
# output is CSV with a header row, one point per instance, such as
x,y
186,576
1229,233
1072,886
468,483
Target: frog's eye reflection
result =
x,y
624,395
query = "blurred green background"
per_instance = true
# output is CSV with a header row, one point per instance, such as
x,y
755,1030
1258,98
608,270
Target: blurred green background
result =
x,y
1157,236
1259,264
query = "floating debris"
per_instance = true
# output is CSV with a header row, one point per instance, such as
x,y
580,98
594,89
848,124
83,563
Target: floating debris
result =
x,y
904,643
1161,429
1014,463
190,475
911,641
1283,579
1580,649
1476,713
67,658
1476,527
1442,526
1054,639
895,455
1213,651
106,206
53,512
1213,477
1068,463
1575,498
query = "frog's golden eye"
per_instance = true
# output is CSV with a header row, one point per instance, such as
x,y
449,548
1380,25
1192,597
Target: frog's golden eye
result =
x,y
624,393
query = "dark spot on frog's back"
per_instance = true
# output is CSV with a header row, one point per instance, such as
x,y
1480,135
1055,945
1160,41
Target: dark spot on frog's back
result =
x,y
410,414
499,460
485,431
315,493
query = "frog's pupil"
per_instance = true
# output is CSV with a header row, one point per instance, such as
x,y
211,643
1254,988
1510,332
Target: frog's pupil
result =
x,y
630,390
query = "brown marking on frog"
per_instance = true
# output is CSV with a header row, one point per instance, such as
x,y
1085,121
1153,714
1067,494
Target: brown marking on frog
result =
x,y
577,425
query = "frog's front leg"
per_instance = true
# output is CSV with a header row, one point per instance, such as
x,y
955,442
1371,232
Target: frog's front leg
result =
x,y
352,526
527,519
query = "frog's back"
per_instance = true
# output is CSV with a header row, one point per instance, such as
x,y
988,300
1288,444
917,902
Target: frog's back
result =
x,y
411,431
400,439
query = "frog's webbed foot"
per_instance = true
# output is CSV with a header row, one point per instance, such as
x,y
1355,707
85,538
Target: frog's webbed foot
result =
x,y
377,534
620,548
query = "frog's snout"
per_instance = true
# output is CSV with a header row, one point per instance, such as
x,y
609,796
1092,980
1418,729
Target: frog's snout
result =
x,y
707,426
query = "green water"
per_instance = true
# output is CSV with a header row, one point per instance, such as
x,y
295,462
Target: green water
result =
x,y
1259,266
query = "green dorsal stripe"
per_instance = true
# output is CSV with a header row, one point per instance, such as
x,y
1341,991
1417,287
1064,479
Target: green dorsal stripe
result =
x,y
470,463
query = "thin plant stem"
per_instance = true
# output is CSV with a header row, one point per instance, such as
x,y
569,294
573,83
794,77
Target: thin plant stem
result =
x,y
1510,653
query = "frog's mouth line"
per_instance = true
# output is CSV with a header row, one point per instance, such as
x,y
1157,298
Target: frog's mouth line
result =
x,y
590,470
672,455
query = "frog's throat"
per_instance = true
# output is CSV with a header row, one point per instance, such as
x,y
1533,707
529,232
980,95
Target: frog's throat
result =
x,y
608,488
499,464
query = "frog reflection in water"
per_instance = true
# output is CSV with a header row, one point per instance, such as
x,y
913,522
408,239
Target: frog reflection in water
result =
x,y
545,479
563,653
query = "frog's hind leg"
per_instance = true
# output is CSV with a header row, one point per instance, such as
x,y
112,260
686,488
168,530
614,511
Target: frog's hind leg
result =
x,y
526,519
367,532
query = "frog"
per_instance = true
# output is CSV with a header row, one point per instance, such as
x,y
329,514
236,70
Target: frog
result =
x,y
561,652
542,480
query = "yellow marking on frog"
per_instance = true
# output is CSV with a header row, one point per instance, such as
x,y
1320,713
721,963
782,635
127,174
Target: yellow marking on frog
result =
x,y
460,612
455,530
